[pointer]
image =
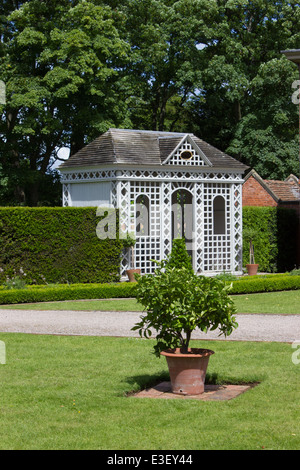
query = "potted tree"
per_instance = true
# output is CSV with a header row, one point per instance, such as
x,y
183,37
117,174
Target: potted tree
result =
x,y
177,301
129,243
249,236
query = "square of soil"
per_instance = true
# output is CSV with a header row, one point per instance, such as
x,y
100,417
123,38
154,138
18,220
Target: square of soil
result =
x,y
211,392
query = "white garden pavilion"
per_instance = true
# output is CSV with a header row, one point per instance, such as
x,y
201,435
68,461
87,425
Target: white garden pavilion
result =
x,y
165,185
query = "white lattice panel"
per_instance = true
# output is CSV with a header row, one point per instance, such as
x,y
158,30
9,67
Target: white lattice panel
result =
x,y
166,207
123,205
212,252
237,226
199,228
66,195
88,175
217,247
164,174
148,241
123,201
186,174
185,149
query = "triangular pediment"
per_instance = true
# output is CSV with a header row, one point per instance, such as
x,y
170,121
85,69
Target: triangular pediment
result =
x,y
187,152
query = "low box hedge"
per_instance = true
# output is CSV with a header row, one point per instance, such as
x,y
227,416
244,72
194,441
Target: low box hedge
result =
x,y
249,285
67,292
246,285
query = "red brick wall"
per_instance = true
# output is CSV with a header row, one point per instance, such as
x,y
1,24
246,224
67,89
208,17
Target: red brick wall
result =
x,y
255,195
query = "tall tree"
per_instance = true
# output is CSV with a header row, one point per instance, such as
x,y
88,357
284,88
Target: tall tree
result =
x,y
244,105
73,68
164,36
61,62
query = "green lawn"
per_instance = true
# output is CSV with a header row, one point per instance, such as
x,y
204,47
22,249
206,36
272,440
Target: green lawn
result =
x,y
287,302
60,392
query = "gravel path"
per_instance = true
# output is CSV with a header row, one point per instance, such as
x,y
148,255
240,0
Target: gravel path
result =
x,y
278,328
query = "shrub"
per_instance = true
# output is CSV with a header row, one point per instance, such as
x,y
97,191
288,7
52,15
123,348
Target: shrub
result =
x,y
275,237
265,284
246,285
67,292
177,302
56,245
179,257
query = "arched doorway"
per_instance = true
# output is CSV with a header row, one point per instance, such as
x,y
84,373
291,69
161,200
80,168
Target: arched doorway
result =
x,y
182,218
219,215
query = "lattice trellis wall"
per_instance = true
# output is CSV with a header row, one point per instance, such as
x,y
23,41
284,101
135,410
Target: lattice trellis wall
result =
x,y
217,247
237,227
211,252
195,159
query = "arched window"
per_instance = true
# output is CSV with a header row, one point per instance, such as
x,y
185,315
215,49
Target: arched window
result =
x,y
182,214
219,215
142,216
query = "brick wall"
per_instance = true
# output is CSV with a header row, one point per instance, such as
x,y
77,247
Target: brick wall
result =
x,y
255,195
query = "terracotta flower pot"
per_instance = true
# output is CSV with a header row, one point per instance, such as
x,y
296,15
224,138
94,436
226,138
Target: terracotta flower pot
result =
x,y
252,269
131,272
187,371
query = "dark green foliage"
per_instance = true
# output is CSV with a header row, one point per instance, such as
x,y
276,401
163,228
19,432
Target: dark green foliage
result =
x,y
72,69
179,257
67,292
56,245
246,285
274,240
276,283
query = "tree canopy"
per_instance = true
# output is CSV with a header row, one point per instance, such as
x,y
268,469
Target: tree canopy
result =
x,y
72,69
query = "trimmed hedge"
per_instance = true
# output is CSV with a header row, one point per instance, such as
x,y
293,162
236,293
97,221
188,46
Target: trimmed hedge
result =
x,y
56,245
265,284
247,285
67,292
275,242
60,244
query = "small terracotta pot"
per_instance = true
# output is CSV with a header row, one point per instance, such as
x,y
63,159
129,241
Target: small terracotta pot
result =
x,y
252,269
187,371
131,272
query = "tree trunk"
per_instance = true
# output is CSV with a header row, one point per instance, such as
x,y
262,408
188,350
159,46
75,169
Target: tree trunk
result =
x,y
155,108
33,194
77,141
185,344
238,112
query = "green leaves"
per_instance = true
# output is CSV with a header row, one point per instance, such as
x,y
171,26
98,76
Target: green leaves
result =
x,y
178,301
62,63
44,242
73,69
272,231
179,256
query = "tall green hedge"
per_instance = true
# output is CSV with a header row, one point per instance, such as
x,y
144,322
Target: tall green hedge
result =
x,y
56,245
275,242
60,245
